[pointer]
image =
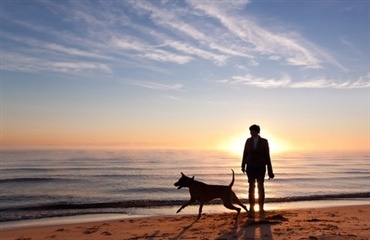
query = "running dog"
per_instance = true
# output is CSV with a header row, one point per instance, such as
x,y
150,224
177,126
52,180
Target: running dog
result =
x,y
204,193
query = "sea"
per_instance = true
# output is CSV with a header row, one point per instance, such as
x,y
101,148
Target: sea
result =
x,y
44,184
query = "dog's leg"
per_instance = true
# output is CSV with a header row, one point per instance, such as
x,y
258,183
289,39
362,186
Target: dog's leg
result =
x,y
200,210
186,204
229,205
237,215
237,201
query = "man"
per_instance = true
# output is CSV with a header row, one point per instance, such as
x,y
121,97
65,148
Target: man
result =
x,y
256,157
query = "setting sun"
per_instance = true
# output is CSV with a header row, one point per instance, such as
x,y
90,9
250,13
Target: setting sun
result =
x,y
235,145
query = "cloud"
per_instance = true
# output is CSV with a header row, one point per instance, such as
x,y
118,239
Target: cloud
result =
x,y
156,86
163,17
25,63
73,51
363,81
168,19
323,82
147,35
78,66
164,56
183,47
36,55
127,43
258,82
149,51
286,82
289,48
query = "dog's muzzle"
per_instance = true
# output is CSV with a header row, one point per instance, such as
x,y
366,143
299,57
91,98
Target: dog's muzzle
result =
x,y
178,186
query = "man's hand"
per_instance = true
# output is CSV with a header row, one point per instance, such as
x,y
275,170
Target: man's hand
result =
x,y
270,173
271,176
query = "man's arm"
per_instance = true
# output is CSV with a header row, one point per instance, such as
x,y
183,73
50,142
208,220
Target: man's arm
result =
x,y
245,154
268,161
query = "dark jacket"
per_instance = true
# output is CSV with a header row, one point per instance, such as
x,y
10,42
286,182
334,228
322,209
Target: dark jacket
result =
x,y
258,157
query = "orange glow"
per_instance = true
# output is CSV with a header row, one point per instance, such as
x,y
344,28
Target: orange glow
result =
x,y
231,140
235,145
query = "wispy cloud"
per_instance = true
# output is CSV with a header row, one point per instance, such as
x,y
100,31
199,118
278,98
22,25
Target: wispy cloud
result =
x,y
183,47
171,19
168,19
324,82
73,51
148,51
164,56
258,81
286,81
260,40
155,85
363,81
39,55
24,63
78,66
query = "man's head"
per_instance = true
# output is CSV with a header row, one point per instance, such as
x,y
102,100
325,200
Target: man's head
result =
x,y
255,130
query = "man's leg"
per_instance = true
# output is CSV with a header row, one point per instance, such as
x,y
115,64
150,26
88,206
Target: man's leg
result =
x,y
251,198
261,193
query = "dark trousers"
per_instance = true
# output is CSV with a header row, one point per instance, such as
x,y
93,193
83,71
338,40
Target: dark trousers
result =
x,y
256,174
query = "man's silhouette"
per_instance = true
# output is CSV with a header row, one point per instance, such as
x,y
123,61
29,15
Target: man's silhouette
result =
x,y
256,157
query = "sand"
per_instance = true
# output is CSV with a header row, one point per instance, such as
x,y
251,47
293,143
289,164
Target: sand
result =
x,y
336,223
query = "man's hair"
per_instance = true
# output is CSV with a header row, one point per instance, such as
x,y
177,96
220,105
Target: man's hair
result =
x,y
255,128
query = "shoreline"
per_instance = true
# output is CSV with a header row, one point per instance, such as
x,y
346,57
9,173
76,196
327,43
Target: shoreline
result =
x,y
149,207
171,211
336,222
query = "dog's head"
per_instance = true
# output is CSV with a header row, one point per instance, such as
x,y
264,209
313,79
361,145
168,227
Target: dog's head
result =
x,y
184,181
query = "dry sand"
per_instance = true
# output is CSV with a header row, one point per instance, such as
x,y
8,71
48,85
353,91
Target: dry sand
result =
x,y
334,223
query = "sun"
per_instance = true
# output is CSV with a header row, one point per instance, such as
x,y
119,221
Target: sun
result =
x,y
235,145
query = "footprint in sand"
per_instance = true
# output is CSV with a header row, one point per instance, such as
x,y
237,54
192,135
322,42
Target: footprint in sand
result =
x,y
330,227
61,230
312,238
106,233
313,220
91,230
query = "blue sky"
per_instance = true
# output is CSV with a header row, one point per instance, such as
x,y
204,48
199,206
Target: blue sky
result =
x,y
181,73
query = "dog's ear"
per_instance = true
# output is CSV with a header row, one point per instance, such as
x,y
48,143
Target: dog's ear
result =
x,y
182,174
192,178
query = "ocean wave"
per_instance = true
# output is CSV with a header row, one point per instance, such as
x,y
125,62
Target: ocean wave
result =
x,y
313,179
32,180
157,203
124,207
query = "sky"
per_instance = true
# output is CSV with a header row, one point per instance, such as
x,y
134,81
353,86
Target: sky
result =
x,y
186,74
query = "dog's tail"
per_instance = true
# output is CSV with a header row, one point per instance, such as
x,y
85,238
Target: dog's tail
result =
x,y
232,181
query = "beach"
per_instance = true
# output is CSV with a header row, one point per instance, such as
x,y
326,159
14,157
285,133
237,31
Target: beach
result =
x,y
343,222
